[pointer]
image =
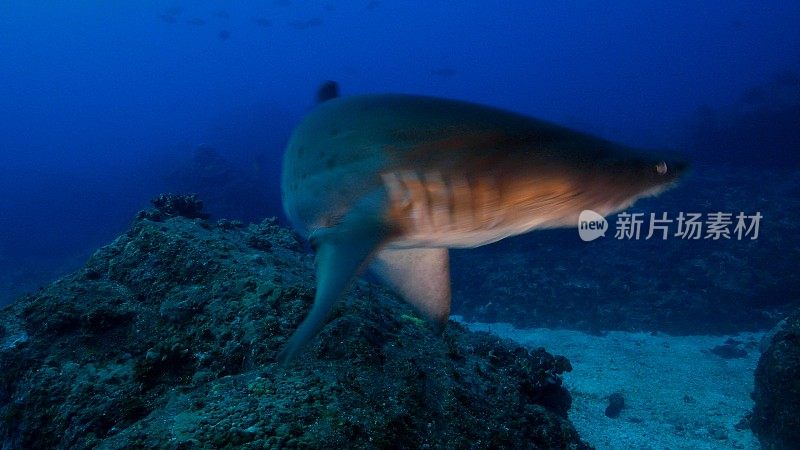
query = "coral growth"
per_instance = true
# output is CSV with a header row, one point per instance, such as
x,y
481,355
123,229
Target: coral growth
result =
x,y
172,205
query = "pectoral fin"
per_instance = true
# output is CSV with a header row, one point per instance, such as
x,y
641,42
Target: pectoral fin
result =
x,y
420,275
341,252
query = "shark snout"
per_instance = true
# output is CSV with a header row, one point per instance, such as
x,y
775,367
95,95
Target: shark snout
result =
x,y
659,174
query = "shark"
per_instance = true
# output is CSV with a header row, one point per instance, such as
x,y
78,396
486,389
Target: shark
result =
x,y
390,182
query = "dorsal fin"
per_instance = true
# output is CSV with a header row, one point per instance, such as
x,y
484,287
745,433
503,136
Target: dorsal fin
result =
x,y
327,91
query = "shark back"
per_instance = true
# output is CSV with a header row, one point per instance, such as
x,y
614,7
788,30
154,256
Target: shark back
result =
x,y
347,147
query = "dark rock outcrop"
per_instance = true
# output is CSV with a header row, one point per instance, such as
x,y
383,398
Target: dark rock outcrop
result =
x,y
776,415
731,349
167,338
616,403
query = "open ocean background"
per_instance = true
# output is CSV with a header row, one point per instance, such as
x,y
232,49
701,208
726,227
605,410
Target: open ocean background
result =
x,y
104,105
167,337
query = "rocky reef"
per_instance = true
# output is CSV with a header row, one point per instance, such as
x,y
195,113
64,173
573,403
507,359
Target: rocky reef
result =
x,y
167,338
776,415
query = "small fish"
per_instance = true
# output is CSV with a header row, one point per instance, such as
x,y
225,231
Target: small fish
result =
x,y
306,24
390,182
224,35
198,22
444,72
174,11
167,18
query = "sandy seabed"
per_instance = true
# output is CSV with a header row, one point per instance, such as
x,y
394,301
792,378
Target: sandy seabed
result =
x,y
678,395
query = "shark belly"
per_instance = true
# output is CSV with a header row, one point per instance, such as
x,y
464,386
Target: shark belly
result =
x,y
451,210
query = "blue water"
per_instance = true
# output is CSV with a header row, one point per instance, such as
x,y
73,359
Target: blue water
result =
x,y
103,105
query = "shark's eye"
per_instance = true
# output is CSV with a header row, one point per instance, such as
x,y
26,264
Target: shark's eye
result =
x,y
661,168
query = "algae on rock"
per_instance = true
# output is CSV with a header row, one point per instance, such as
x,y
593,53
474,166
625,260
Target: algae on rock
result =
x,y
167,339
